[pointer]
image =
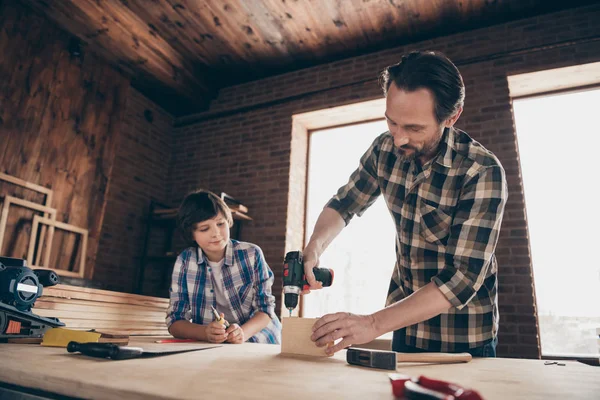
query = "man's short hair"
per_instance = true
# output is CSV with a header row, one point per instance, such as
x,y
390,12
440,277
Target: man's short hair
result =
x,y
199,206
430,70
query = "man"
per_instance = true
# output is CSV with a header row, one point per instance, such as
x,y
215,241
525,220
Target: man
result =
x,y
446,194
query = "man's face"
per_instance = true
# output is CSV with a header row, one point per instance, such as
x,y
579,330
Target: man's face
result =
x,y
412,123
212,236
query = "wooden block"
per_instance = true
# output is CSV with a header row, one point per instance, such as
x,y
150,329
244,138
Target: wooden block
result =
x,y
31,340
295,337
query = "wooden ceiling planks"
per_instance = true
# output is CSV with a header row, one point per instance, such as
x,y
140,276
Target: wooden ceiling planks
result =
x,y
180,52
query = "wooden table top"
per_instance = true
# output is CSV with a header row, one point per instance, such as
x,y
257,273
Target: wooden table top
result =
x,y
257,371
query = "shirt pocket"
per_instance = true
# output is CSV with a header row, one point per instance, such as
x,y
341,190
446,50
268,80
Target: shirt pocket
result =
x,y
435,224
246,295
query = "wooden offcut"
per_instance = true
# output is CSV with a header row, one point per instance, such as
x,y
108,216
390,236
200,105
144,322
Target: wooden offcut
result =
x,y
295,337
66,227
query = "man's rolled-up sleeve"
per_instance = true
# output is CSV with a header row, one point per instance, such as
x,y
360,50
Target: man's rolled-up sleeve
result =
x,y
362,189
473,236
179,306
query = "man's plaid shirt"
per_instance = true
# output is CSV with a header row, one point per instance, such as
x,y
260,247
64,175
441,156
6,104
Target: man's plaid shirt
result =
x,y
247,279
448,214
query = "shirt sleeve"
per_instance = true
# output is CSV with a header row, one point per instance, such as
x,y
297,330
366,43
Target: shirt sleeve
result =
x,y
473,236
263,300
362,188
179,306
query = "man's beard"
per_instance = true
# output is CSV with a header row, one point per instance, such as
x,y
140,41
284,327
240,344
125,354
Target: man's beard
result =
x,y
427,148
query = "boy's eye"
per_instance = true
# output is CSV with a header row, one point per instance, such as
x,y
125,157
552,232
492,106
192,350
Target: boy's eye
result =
x,y
221,223
203,229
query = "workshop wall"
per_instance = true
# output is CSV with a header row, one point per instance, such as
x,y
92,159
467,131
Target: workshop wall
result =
x,y
140,173
242,145
60,114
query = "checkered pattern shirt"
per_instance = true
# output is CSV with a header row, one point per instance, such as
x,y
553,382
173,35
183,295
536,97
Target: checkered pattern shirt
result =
x,y
247,280
447,214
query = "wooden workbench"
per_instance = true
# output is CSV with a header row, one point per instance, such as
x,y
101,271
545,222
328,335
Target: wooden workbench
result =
x,y
256,371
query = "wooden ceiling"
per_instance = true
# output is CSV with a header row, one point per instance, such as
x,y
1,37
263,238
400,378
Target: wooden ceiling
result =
x,y
180,52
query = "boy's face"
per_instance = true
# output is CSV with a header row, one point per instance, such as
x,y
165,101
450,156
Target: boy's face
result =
x,y
212,236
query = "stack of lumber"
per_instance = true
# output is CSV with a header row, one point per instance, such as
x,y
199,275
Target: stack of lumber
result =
x,y
84,309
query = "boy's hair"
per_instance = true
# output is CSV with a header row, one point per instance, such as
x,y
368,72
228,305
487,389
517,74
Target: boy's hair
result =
x,y
430,70
199,206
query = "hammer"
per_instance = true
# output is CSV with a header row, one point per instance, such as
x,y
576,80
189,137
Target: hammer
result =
x,y
389,359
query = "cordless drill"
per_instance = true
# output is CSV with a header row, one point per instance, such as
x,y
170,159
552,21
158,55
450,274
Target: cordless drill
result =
x,y
294,280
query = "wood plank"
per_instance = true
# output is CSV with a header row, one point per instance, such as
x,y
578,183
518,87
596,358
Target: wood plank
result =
x,y
100,298
134,319
105,308
70,291
295,337
112,324
57,303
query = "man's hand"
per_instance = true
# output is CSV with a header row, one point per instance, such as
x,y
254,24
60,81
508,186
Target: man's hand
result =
x,y
215,332
351,328
235,334
310,257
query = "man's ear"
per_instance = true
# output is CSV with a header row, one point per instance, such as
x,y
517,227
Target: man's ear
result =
x,y
452,120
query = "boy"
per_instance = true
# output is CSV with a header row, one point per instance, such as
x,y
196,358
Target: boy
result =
x,y
217,271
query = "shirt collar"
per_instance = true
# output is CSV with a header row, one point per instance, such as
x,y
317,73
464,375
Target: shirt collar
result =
x,y
228,260
444,157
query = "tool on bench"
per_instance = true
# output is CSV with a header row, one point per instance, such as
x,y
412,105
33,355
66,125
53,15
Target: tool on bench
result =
x,y
20,286
218,318
294,280
115,352
423,388
175,341
389,359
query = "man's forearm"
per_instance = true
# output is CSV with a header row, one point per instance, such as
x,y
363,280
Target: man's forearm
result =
x,y
255,324
186,330
329,224
422,305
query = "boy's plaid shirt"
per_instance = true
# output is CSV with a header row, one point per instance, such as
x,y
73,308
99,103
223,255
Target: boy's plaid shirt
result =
x,y
447,215
247,280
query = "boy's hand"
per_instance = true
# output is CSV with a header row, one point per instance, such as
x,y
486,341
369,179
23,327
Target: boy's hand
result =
x,y
235,334
215,332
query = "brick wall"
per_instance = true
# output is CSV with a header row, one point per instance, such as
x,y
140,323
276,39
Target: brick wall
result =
x,y
140,173
243,144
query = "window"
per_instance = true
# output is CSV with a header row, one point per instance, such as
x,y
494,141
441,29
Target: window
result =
x,y
363,255
559,139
